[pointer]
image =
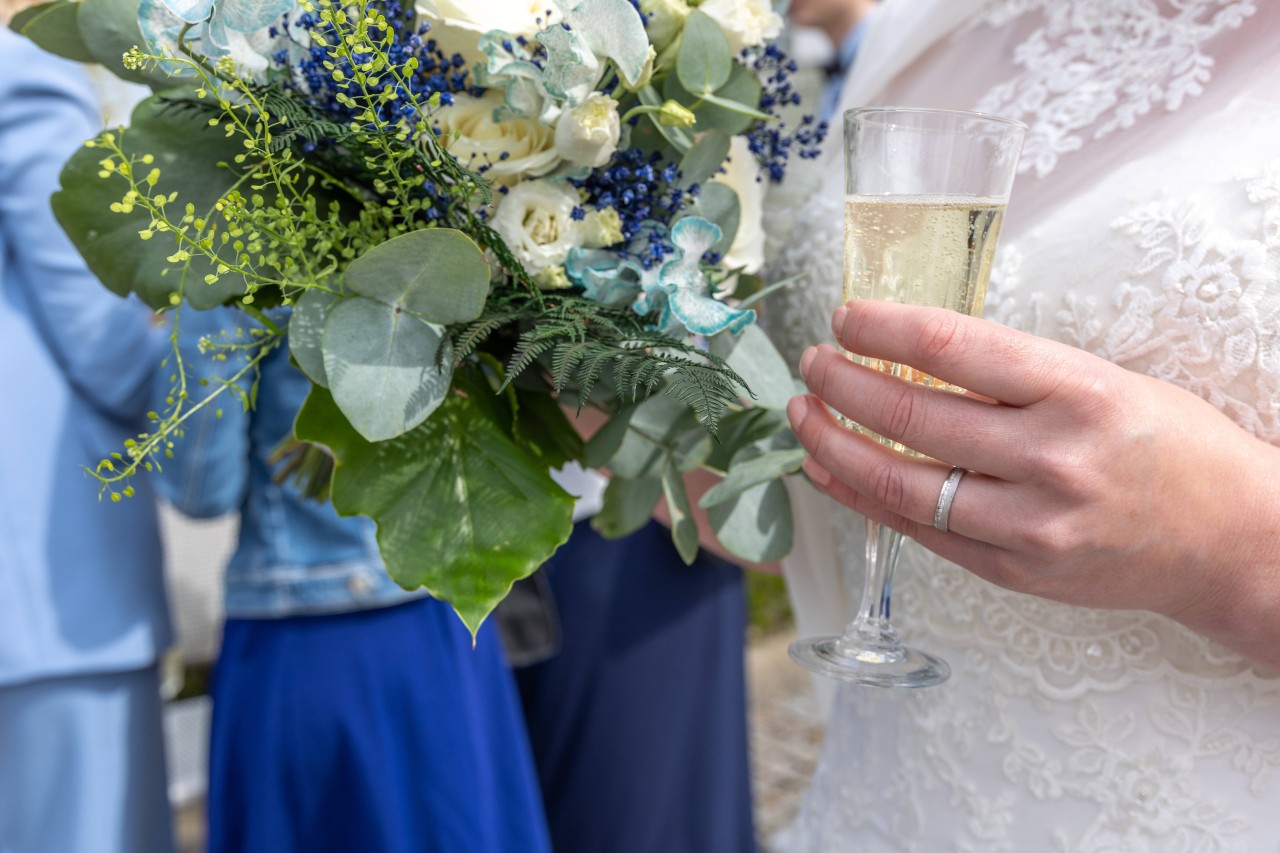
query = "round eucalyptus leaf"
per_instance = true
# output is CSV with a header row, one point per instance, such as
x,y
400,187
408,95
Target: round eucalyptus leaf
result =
x,y
756,525
758,362
381,365
439,273
742,87
306,328
718,203
704,62
705,158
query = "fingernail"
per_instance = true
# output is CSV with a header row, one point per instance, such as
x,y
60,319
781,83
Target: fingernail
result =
x,y
797,411
819,475
807,359
837,320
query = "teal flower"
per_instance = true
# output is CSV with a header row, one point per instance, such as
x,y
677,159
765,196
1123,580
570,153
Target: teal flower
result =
x,y
604,277
681,293
226,23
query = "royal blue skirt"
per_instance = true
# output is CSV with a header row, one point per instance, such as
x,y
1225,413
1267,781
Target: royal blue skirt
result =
x,y
380,731
639,724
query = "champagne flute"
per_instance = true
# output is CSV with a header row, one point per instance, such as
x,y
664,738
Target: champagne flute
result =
x,y
926,192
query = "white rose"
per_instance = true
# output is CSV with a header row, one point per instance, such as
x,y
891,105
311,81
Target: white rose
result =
x,y
468,131
740,176
517,17
536,222
587,135
746,23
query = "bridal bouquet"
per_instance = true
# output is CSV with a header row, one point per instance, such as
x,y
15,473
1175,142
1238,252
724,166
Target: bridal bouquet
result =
x,y
462,219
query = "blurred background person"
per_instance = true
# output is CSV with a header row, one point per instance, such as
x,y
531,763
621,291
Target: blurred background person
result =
x,y
844,23
348,714
83,616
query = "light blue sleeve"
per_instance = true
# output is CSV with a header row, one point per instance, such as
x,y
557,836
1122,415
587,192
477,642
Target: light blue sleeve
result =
x,y
107,347
208,474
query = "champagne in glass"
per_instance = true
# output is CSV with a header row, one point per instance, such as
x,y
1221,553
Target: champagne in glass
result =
x,y
926,193
922,250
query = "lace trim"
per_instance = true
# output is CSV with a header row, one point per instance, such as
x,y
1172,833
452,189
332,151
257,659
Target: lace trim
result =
x,y
1102,64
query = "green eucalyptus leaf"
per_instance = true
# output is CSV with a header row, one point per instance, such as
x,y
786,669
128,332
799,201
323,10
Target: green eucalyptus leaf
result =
x,y
382,368
705,158
704,62
602,446
758,361
188,153
719,203
52,26
451,499
751,472
306,327
755,525
628,505
636,457
742,88
692,449
684,529
109,28
439,273
744,428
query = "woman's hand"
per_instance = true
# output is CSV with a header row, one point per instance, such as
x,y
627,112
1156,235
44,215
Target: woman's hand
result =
x,y
1089,484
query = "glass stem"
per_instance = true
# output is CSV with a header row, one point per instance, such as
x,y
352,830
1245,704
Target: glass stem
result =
x,y
871,625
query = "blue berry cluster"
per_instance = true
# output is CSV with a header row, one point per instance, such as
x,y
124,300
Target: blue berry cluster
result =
x,y
643,189
436,71
773,142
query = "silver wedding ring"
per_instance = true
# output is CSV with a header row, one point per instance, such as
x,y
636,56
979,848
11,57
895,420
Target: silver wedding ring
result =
x,y
942,511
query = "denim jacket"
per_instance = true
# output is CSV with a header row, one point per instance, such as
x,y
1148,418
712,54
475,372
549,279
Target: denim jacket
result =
x,y
294,555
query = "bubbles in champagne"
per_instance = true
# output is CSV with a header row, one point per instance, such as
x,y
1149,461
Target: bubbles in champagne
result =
x,y
923,250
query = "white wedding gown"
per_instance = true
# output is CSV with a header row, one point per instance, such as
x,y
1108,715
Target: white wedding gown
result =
x,y
1145,228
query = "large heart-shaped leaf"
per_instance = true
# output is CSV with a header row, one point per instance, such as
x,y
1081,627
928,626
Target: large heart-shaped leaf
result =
x,y
52,26
460,508
109,28
187,153
439,273
382,367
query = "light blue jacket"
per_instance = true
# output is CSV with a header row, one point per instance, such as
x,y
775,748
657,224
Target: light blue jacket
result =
x,y
295,555
81,588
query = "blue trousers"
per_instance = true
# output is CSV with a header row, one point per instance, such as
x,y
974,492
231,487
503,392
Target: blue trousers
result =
x,y
639,725
82,765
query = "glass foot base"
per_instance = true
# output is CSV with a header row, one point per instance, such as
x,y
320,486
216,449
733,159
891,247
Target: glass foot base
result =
x,y
883,666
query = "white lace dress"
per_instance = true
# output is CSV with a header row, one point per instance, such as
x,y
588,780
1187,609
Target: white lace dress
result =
x,y
1145,228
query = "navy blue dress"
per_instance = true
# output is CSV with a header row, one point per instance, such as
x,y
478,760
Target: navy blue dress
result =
x,y
638,725
378,730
